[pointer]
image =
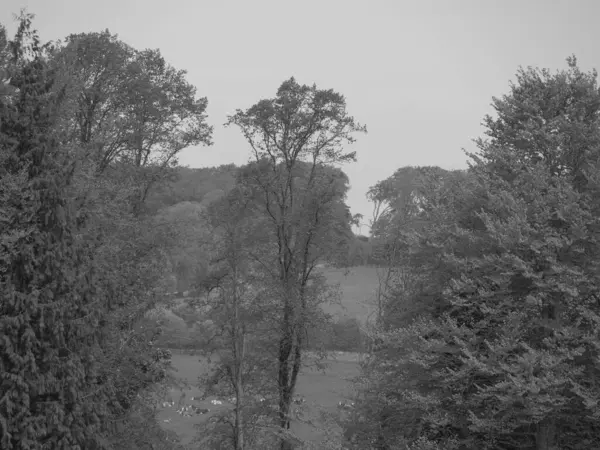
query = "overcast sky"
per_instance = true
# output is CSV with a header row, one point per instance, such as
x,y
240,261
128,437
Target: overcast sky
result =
x,y
420,74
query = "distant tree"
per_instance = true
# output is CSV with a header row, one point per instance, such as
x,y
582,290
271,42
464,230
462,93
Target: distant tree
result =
x,y
193,185
186,237
360,251
405,196
412,199
294,137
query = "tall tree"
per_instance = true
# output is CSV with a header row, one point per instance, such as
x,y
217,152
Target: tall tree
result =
x,y
96,63
294,137
78,270
48,317
134,112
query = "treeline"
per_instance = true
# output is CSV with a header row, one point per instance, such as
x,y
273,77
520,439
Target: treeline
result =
x,y
202,185
487,335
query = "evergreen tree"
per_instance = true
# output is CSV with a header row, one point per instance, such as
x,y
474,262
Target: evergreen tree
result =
x,y
48,318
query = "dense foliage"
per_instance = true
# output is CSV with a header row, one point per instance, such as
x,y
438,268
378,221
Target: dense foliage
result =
x,y
495,344
47,319
80,262
488,308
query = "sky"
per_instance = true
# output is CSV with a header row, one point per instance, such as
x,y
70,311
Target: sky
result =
x,y
419,74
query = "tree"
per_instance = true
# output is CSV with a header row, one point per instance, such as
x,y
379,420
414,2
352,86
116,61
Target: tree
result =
x,y
360,251
404,197
412,199
78,270
47,316
549,118
201,185
504,355
186,241
96,64
233,295
134,112
294,137
238,309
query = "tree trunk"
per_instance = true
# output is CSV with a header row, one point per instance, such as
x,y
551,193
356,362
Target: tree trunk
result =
x,y
545,438
286,399
239,431
239,353
239,393
285,425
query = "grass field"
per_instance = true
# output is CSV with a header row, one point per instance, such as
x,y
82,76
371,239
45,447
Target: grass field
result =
x,y
322,390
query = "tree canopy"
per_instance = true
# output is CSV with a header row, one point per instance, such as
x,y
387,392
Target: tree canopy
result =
x,y
501,352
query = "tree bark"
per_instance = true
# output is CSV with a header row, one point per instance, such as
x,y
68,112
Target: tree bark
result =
x,y
545,438
239,350
239,431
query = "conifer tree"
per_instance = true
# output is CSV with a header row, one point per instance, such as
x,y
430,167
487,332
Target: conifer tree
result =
x,y
48,318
